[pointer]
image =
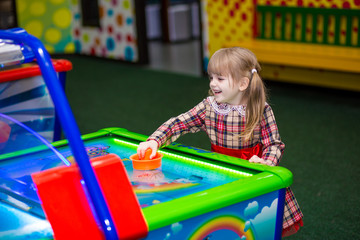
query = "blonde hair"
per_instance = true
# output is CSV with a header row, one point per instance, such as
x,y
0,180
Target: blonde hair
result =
x,y
238,63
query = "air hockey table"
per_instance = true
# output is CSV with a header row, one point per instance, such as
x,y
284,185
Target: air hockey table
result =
x,y
195,194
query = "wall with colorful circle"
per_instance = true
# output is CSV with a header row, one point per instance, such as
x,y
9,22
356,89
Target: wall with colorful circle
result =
x,y
58,24
229,20
233,20
116,38
48,20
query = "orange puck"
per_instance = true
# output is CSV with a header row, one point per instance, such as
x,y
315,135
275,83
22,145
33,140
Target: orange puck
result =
x,y
146,163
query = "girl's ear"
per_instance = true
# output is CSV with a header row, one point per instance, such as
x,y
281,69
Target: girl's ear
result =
x,y
244,83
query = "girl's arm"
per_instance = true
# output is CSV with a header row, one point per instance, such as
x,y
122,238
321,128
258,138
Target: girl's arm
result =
x,y
273,147
191,121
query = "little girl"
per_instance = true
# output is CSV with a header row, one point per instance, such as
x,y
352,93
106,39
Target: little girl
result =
x,y
237,119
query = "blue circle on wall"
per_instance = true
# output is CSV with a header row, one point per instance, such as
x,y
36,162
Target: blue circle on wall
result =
x,y
129,53
77,44
129,21
110,44
77,16
205,62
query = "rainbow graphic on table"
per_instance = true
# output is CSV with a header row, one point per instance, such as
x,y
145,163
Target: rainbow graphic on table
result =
x,y
225,222
163,187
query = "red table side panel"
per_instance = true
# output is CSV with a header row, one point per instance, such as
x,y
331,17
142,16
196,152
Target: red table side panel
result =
x,y
60,65
65,203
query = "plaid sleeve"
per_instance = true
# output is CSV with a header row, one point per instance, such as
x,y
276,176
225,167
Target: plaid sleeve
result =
x,y
273,147
191,121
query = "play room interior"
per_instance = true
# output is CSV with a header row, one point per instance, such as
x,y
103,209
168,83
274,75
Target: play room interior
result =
x,y
123,67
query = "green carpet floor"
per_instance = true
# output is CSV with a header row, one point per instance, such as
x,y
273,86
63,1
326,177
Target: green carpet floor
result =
x,y
320,128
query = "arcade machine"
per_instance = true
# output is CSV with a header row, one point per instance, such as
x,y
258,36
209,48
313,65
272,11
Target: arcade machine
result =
x,y
94,187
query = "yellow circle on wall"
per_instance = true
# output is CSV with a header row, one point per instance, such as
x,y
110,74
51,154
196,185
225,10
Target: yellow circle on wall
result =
x,y
85,37
57,1
126,4
49,48
35,28
37,8
20,6
70,47
52,35
62,18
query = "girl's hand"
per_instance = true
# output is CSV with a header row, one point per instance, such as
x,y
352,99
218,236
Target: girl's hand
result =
x,y
152,144
256,159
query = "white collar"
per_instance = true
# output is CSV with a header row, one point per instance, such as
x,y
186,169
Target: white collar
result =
x,y
224,109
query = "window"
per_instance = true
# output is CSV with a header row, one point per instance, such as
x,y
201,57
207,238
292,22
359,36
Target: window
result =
x,y
90,13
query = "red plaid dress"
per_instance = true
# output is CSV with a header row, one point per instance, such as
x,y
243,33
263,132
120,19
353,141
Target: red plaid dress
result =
x,y
224,123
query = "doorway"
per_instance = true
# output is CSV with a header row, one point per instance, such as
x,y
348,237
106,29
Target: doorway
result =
x,y
174,36
7,14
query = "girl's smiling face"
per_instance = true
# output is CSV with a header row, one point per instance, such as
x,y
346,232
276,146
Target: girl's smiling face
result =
x,y
225,90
